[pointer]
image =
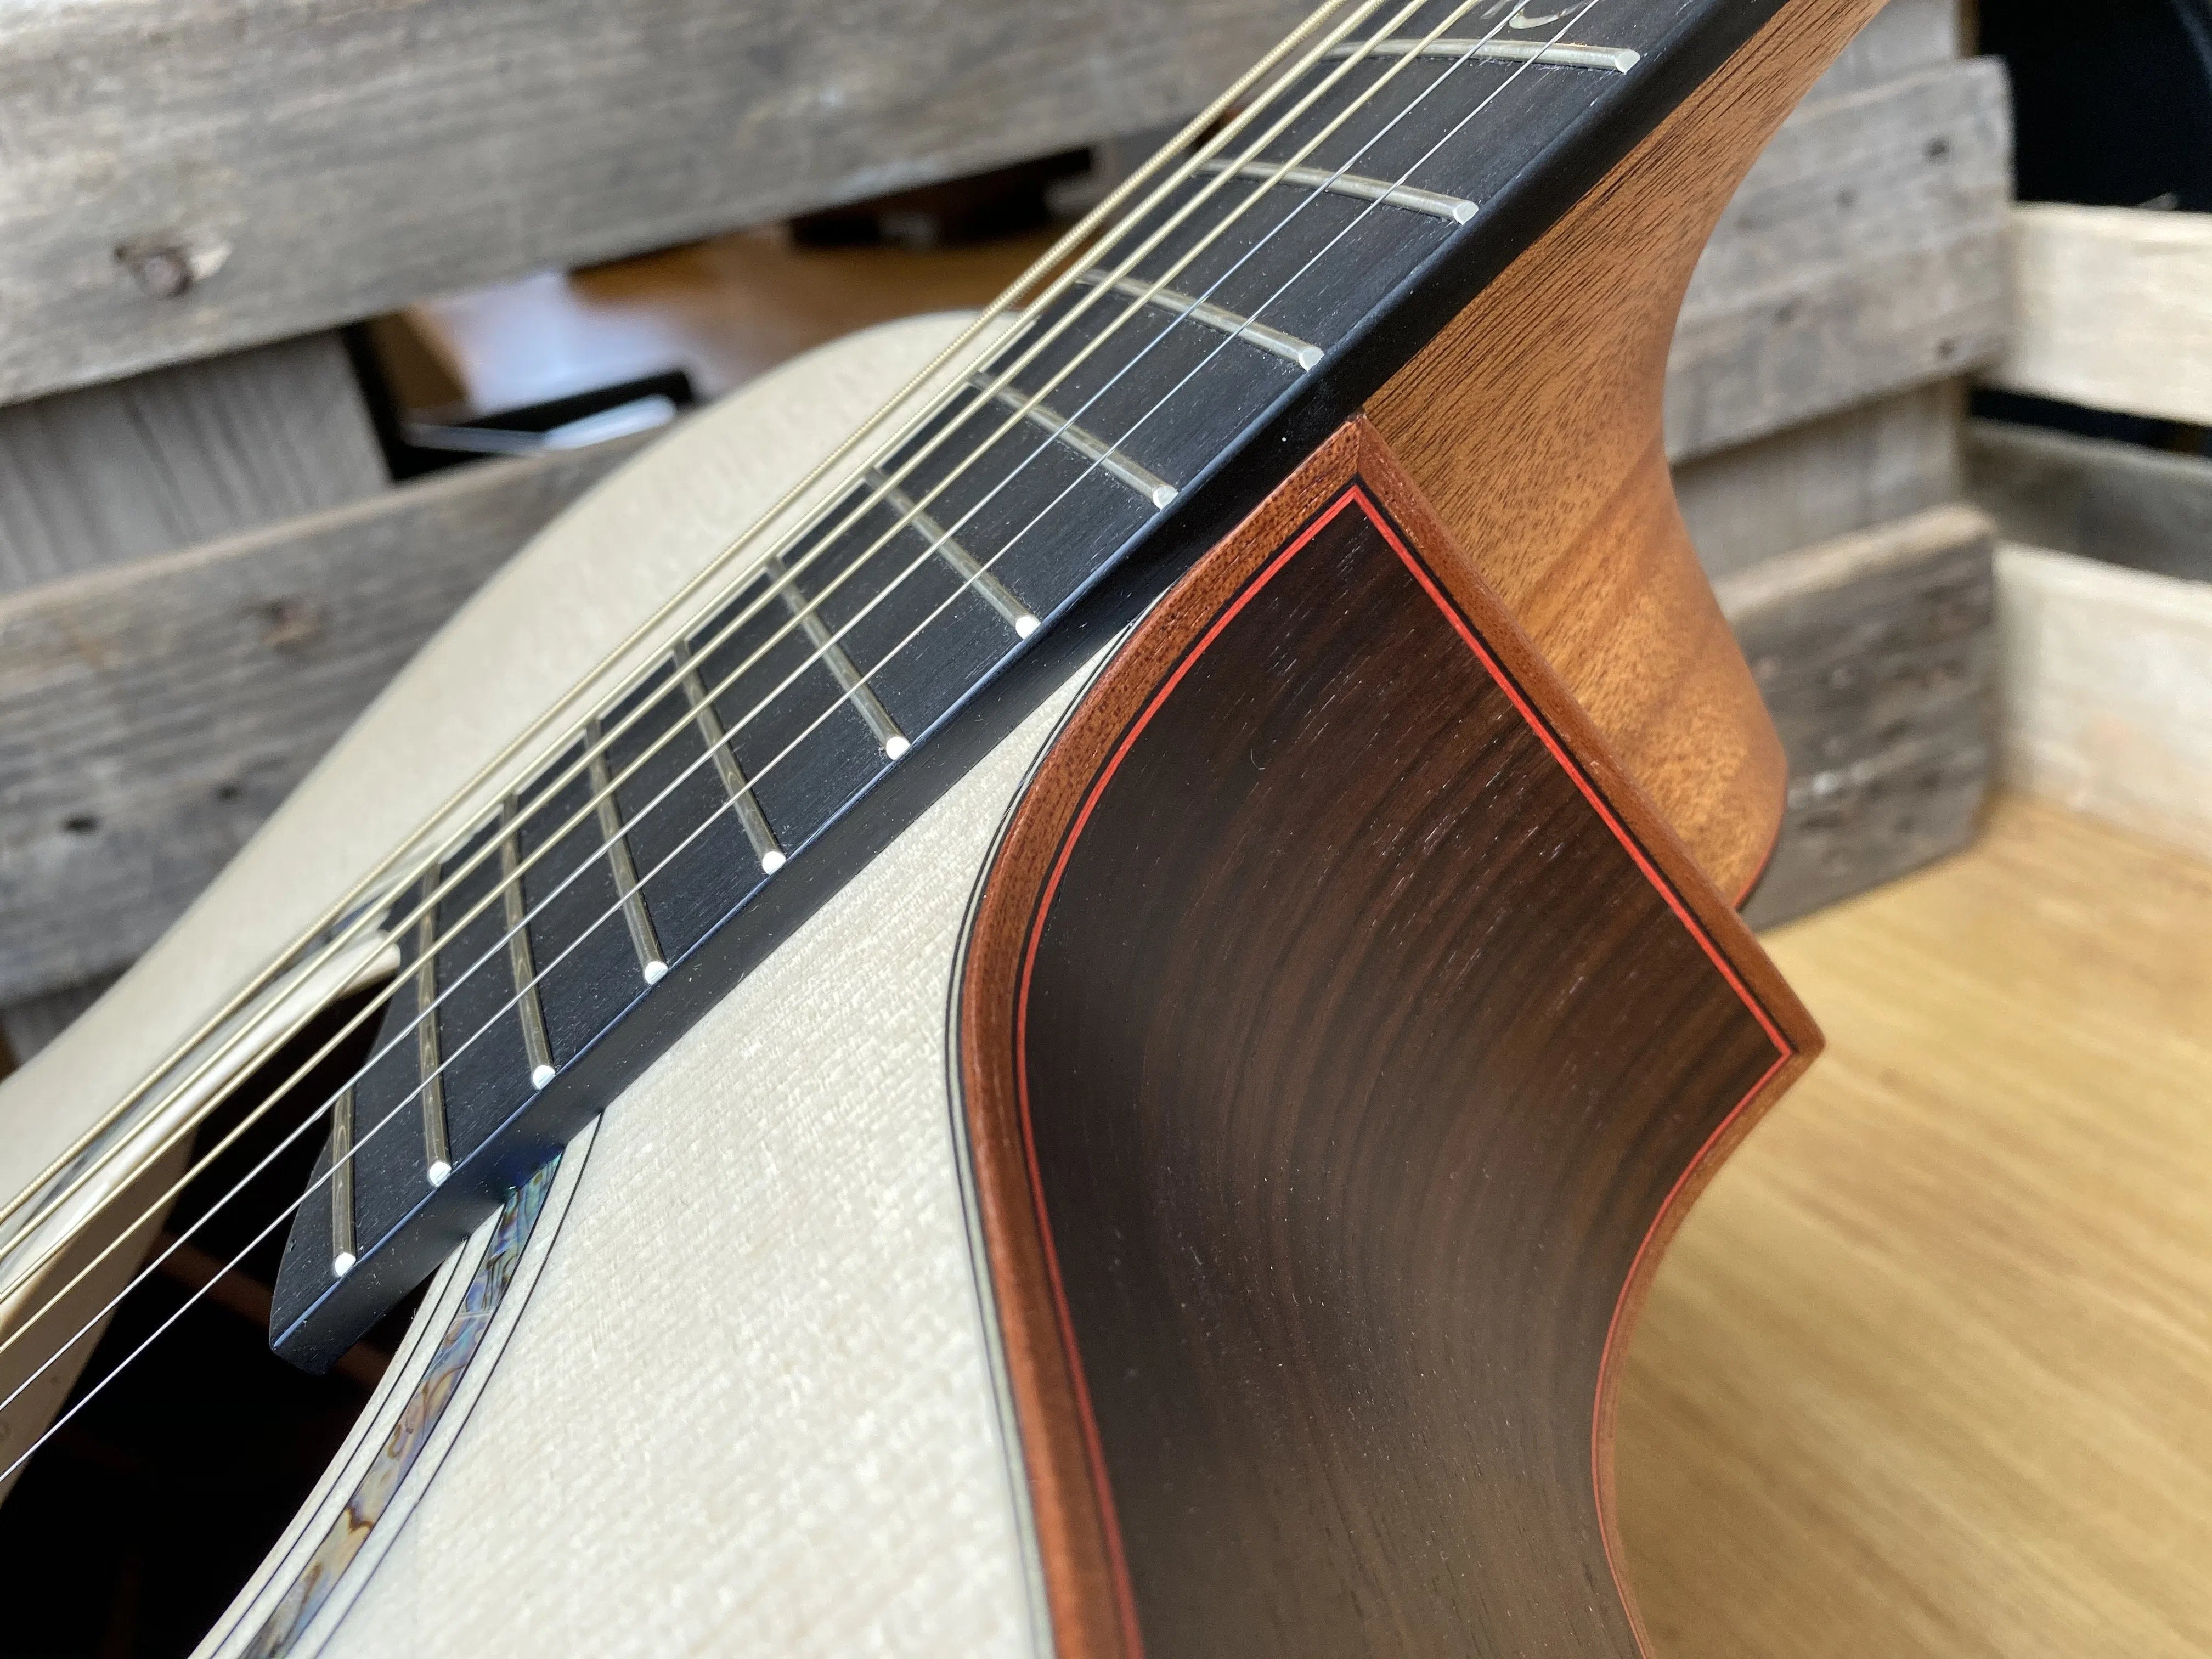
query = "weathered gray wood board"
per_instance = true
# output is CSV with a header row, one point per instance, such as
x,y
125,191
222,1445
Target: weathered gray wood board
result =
x,y
30,1025
149,717
1871,464
1905,35
152,715
2114,501
341,159
322,161
179,456
1876,653
2115,309
1866,252
2107,692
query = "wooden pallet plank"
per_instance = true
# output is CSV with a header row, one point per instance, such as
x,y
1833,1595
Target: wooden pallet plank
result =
x,y
2107,692
1876,653
178,456
1905,35
1864,466
1866,252
322,160
2115,309
2114,501
153,714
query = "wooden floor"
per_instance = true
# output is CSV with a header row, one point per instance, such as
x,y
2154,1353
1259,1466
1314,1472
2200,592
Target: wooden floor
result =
x,y
725,309
1929,1369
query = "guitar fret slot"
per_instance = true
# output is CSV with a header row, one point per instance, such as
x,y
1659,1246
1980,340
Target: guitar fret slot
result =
x,y
1147,483
1288,347
843,669
642,937
437,1152
342,1255
1001,598
750,818
1455,208
535,1047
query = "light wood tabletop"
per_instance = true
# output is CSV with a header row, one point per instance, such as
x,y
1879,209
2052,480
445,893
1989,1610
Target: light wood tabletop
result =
x,y
1928,1371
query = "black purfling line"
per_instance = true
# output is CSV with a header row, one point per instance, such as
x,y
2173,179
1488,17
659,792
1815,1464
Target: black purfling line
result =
x,y
1210,505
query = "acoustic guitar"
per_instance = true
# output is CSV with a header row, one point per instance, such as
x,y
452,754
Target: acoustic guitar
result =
x,y
1047,985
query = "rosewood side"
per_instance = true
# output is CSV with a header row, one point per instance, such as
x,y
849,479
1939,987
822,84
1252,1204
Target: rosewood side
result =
x,y
1341,1031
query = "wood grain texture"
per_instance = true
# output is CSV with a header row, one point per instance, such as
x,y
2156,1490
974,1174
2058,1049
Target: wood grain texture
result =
x,y
1865,252
2115,309
1905,35
1873,464
1534,423
341,159
1928,1372
180,456
152,715
2119,502
2106,695
1315,1003
1877,655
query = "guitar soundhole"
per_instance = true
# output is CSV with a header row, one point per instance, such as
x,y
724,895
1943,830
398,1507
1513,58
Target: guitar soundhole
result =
x,y
130,1532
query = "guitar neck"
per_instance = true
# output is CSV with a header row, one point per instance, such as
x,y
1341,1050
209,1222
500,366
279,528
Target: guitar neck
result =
x,y
1273,277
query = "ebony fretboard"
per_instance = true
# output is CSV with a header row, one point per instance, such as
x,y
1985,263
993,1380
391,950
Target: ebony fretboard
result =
x,y
695,821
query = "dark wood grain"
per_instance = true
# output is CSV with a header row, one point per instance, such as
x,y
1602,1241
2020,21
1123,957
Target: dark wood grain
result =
x,y
1340,1030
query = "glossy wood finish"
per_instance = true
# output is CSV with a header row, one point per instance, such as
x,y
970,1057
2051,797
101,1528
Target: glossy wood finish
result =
x,y
1534,423
1341,1033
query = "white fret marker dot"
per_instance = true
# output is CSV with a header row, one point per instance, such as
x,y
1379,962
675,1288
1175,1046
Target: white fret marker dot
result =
x,y
438,1172
540,1076
655,972
1024,625
342,1264
771,862
896,747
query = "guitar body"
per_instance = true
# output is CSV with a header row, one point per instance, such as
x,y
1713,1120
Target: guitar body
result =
x,y
1188,1190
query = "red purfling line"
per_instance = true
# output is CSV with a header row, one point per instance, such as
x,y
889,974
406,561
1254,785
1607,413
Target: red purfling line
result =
x,y
1558,752
1125,1592
1356,493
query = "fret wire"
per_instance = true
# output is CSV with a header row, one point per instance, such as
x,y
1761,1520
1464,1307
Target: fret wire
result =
x,y
1436,205
342,1239
1149,484
1002,599
1234,125
437,1153
642,937
1224,105
831,655
749,816
536,1049
1288,347
508,849
1618,59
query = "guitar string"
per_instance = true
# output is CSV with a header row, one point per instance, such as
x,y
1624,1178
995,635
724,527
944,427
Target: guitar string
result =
x,y
338,913
447,882
374,1003
361,922
180,1130
1161,403
920,628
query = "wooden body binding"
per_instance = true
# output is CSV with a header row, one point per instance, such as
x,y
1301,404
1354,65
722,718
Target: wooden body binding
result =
x,y
1327,1114
1516,469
